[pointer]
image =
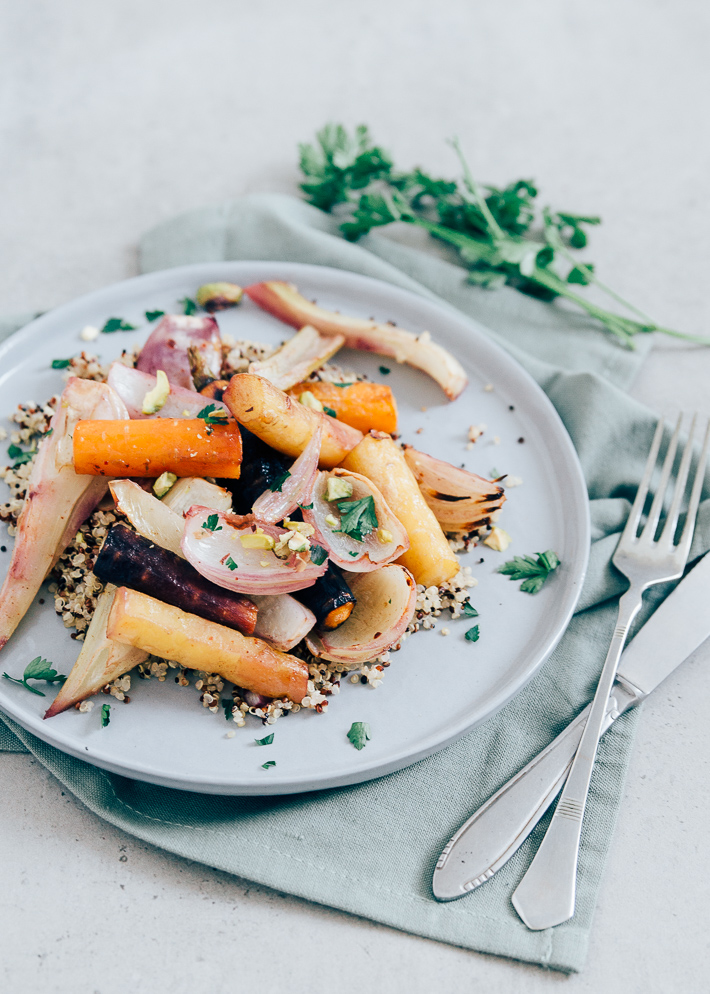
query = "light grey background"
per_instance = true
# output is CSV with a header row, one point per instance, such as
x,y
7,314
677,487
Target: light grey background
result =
x,y
116,115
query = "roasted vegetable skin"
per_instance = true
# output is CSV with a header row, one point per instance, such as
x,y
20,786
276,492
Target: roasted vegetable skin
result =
x,y
129,560
170,633
330,599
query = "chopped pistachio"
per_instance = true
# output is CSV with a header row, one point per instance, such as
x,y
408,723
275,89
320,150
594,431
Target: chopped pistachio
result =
x,y
219,296
164,482
155,398
384,536
498,540
332,521
298,543
257,540
299,526
338,488
310,400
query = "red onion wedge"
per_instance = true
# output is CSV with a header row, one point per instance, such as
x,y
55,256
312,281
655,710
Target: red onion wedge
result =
x,y
386,599
285,302
384,544
212,543
281,620
167,348
132,385
275,505
461,501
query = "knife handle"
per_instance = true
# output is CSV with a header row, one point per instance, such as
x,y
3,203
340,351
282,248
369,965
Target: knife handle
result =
x,y
499,827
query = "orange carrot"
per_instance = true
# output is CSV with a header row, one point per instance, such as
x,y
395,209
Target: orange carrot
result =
x,y
364,406
186,447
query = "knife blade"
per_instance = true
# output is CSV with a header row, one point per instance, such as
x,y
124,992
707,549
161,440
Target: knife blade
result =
x,y
488,839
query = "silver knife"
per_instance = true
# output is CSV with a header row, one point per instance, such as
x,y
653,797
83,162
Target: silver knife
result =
x,y
489,838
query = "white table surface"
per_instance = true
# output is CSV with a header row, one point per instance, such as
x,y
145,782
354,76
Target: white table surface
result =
x,y
119,114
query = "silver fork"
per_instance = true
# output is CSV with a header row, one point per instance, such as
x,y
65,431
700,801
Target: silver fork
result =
x,y
546,894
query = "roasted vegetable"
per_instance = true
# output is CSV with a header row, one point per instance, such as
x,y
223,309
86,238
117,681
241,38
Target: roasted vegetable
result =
x,y
168,344
282,621
262,466
429,556
281,499
214,389
194,490
168,632
218,296
461,501
298,358
330,599
129,560
58,500
132,386
361,405
285,302
100,661
283,423
149,448
150,516
385,605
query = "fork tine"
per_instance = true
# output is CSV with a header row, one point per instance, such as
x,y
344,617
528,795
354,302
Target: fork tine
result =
x,y
642,492
689,527
668,533
649,529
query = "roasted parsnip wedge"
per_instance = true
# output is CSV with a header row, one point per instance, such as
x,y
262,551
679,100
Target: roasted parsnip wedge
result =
x,y
170,633
58,499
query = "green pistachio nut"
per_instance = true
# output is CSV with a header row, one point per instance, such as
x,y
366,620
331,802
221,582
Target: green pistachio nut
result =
x,y
219,296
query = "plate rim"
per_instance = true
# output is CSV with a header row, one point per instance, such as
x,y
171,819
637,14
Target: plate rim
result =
x,y
364,770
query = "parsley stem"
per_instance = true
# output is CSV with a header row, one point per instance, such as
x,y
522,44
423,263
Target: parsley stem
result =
x,y
493,226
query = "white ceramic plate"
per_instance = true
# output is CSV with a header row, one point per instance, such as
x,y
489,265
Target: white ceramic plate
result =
x,y
438,687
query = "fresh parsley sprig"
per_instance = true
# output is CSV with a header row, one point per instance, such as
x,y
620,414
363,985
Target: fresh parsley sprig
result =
x,y
37,669
359,734
533,571
212,524
212,415
500,233
357,517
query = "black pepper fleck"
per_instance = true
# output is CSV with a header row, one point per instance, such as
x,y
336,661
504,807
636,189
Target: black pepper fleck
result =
x,y
3,548
521,440
511,407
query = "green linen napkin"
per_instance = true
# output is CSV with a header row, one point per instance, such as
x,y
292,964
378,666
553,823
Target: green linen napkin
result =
x,y
343,847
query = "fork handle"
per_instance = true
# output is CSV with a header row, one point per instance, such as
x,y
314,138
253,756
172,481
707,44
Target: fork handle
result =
x,y
546,895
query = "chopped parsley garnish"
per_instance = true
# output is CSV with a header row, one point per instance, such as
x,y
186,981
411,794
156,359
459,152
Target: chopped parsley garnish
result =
x,y
18,456
212,415
266,741
60,363
473,634
212,523
384,370
154,315
188,305
38,669
359,734
117,324
318,554
278,483
48,433
358,517
468,610
330,411
268,764
342,385
229,562
227,703
353,554
533,572
306,507
105,715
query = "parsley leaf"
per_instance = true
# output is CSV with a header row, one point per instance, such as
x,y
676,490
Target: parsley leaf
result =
x,y
116,324
358,517
60,363
18,456
213,415
330,411
227,703
229,562
278,482
37,669
533,572
306,507
318,554
266,741
473,634
268,764
105,715
211,523
468,610
154,315
359,734
188,305
384,370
